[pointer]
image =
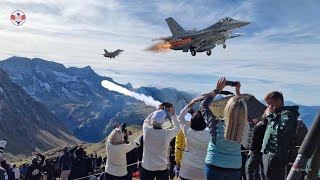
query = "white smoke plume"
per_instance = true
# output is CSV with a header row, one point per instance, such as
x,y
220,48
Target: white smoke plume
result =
x,y
148,100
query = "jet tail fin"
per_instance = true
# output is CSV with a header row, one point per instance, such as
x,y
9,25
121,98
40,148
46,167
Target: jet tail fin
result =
x,y
175,28
105,51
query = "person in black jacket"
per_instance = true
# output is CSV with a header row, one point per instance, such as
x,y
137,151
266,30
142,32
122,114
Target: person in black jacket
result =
x,y
79,166
7,169
99,161
89,164
172,158
65,162
34,170
48,168
132,157
254,167
140,153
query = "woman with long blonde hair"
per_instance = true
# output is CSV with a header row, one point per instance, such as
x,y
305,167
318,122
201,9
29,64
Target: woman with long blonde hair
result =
x,y
223,159
236,120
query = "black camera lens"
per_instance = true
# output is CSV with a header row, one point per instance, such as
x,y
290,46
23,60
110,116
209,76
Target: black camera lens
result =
x,y
123,126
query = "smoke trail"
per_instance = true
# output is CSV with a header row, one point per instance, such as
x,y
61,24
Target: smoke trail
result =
x,y
146,99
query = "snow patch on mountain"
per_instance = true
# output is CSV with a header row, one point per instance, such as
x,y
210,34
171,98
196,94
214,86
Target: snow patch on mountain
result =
x,y
65,78
45,85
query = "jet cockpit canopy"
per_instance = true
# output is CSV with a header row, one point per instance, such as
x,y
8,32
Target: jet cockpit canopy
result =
x,y
226,19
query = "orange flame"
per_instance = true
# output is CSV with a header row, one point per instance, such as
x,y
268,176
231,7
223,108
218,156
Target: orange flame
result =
x,y
166,46
160,47
178,43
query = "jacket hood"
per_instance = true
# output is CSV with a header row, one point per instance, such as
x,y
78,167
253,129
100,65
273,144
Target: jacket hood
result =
x,y
294,109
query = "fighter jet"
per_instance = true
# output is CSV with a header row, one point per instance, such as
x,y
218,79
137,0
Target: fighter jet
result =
x,y
112,54
203,40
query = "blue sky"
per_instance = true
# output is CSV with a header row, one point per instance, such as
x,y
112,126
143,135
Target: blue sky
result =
x,y
280,49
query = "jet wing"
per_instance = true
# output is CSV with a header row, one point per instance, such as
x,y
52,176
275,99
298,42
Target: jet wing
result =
x,y
114,54
167,38
198,34
234,35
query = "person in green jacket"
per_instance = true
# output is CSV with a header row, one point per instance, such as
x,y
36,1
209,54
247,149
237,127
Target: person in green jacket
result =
x,y
281,130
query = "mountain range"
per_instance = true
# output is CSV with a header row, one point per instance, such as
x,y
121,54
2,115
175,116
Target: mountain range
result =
x,y
87,109
27,124
76,97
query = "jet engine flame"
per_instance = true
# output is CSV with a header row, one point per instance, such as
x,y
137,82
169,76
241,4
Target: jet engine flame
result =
x,y
160,47
165,46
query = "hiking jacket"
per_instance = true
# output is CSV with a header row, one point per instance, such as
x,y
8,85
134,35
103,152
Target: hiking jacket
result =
x,y
257,138
281,130
65,161
3,174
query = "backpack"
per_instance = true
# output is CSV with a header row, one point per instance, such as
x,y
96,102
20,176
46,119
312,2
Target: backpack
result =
x,y
301,133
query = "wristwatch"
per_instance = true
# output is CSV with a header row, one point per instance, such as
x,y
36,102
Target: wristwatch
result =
x,y
216,91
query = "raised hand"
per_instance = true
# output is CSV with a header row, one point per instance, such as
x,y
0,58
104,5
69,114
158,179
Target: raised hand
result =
x,y
238,86
200,98
270,110
172,110
197,99
221,84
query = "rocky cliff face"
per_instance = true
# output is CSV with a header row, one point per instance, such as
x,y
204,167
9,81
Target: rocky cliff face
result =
x,y
27,124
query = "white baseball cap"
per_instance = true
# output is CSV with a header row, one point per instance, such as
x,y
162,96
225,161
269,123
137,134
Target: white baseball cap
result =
x,y
159,116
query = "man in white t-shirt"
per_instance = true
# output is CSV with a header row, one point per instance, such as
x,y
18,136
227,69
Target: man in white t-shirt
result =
x,y
156,142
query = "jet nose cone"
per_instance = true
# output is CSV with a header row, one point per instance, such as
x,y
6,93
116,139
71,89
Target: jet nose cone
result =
x,y
243,23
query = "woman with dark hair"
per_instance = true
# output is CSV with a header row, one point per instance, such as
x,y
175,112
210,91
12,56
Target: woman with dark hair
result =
x,y
197,138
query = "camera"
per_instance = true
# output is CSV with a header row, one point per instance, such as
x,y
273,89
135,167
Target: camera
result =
x,y
166,106
123,126
165,109
231,83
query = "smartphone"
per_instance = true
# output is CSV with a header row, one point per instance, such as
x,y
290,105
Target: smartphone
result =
x,y
231,83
